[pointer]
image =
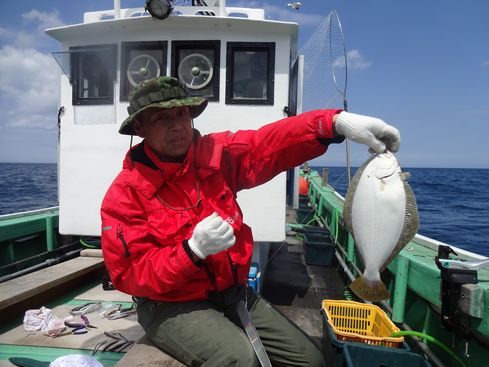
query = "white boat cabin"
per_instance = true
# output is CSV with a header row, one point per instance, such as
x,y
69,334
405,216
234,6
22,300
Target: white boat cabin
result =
x,y
244,64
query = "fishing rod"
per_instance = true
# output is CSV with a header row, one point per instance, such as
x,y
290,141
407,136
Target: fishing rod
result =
x,y
336,49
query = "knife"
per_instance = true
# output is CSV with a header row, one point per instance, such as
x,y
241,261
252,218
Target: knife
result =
x,y
252,334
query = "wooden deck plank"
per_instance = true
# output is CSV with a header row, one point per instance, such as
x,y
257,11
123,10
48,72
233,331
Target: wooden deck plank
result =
x,y
128,327
20,289
145,354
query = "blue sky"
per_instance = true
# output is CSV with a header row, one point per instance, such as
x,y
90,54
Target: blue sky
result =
x,y
420,65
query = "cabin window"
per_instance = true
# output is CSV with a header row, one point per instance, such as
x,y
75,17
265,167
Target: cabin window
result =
x,y
141,61
196,65
250,69
93,74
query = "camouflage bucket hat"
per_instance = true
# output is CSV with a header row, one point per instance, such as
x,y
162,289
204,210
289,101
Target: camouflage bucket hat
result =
x,y
160,92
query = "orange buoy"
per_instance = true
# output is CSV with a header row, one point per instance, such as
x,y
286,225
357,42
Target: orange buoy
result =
x,y
303,186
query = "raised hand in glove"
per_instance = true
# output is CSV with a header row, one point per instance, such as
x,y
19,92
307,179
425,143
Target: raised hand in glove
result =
x,y
211,235
373,132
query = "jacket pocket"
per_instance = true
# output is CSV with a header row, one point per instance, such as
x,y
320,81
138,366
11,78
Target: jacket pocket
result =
x,y
120,236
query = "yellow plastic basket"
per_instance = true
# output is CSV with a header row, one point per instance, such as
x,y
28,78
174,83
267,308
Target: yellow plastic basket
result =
x,y
361,322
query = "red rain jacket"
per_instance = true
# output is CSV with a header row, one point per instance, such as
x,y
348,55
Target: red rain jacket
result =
x,y
142,233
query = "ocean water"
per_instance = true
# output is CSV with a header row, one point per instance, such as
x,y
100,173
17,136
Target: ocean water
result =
x,y
27,186
453,203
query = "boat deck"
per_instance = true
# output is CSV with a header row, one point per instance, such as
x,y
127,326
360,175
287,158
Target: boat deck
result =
x,y
294,287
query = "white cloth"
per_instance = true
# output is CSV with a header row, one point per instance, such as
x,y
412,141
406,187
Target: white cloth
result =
x,y
54,327
75,360
37,319
44,320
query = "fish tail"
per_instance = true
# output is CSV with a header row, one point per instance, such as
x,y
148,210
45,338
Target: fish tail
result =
x,y
369,290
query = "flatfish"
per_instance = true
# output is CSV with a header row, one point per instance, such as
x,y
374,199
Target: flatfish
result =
x,y
380,212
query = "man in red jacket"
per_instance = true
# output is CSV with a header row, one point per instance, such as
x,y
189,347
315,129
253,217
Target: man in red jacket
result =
x,y
173,234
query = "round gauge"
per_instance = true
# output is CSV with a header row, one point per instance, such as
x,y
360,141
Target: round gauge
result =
x,y
141,68
196,71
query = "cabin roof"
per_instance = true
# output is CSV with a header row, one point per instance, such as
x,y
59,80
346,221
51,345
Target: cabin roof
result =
x,y
88,30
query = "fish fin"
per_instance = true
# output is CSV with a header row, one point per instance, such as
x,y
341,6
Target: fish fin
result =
x,y
405,175
369,290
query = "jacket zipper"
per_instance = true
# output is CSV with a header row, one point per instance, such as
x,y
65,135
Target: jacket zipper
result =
x,y
124,243
210,274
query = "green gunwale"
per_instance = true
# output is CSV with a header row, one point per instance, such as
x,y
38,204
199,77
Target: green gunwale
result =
x,y
415,280
49,354
24,224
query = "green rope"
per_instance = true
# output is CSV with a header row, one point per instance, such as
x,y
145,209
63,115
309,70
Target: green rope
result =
x,y
87,245
432,340
337,225
314,219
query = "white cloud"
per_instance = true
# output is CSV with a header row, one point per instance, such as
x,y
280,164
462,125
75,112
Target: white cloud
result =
x,y
486,64
32,35
20,39
44,19
356,61
28,88
28,82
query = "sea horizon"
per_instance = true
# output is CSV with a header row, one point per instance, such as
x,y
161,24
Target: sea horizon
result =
x,y
310,165
453,203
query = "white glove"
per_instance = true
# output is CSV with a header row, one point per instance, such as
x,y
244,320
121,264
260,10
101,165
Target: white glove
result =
x,y
373,132
211,235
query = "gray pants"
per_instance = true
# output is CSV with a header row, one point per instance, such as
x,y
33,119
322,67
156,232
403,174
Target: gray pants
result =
x,y
199,334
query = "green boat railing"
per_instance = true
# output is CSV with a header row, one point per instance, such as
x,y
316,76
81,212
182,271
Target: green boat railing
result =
x,y
30,238
14,227
414,282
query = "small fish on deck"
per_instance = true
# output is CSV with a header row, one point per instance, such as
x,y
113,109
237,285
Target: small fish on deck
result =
x,y
381,213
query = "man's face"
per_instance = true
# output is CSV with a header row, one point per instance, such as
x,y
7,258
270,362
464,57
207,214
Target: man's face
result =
x,y
167,131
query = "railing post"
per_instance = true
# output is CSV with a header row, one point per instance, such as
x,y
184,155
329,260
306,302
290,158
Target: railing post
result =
x,y
350,248
332,225
11,250
320,206
324,176
49,233
400,289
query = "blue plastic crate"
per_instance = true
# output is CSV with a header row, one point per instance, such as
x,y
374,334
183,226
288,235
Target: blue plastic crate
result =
x,y
358,355
254,277
332,347
319,250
